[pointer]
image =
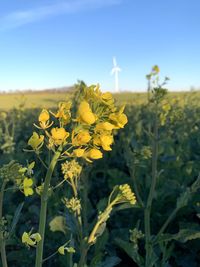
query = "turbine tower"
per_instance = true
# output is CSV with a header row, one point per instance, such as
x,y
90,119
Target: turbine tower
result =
x,y
115,71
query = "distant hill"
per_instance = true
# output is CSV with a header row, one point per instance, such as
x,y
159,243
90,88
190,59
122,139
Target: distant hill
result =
x,y
64,89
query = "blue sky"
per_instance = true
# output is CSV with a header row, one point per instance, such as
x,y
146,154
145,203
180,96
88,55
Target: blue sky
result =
x,y
46,43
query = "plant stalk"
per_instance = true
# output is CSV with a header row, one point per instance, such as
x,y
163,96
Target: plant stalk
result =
x,y
147,211
43,208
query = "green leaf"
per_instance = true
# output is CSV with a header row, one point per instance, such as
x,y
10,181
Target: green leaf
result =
x,y
182,236
16,217
129,249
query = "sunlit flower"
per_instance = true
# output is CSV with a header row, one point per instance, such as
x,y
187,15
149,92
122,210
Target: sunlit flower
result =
x,y
107,126
79,152
82,138
119,119
106,141
63,112
44,120
85,113
59,135
94,153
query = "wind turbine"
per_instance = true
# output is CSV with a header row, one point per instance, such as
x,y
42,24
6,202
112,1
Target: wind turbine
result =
x,y
115,71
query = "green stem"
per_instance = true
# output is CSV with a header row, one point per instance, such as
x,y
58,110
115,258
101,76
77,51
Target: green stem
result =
x,y
2,241
135,186
83,257
147,211
43,208
105,214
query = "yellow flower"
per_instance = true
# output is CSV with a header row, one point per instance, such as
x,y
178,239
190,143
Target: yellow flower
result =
x,y
166,107
44,119
44,116
106,141
63,112
94,153
37,237
61,250
85,113
119,118
82,138
39,189
30,239
107,126
127,194
107,96
155,69
59,135
27,187
36,141
79,152
107,99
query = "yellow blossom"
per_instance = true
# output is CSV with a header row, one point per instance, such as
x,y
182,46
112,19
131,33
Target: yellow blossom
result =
x,y
82,138
36,141
106,141
61,250
85,113
127,194
155,69
108,99
119,118
27,187
59,135
107,126
107,96
79,152
44,119
30,239
94,153
63,112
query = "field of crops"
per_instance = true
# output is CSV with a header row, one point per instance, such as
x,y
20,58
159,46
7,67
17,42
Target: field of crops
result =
x,y
87,182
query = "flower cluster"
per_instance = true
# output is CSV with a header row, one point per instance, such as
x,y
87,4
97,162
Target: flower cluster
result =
x,y
71,169
73,204
126,194
84,134
122,194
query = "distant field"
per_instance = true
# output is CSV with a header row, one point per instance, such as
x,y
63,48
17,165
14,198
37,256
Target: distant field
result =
x,y
49,99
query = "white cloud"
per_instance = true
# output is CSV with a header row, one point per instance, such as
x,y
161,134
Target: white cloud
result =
x,y
20,18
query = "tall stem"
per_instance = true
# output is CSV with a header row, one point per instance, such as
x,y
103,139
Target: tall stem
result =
x,y
147,211
43,208
2,241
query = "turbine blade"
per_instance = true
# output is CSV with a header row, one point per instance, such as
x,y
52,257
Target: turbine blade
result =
x,y
114,62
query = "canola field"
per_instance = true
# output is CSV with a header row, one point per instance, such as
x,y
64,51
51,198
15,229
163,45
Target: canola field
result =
x,y
91,179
